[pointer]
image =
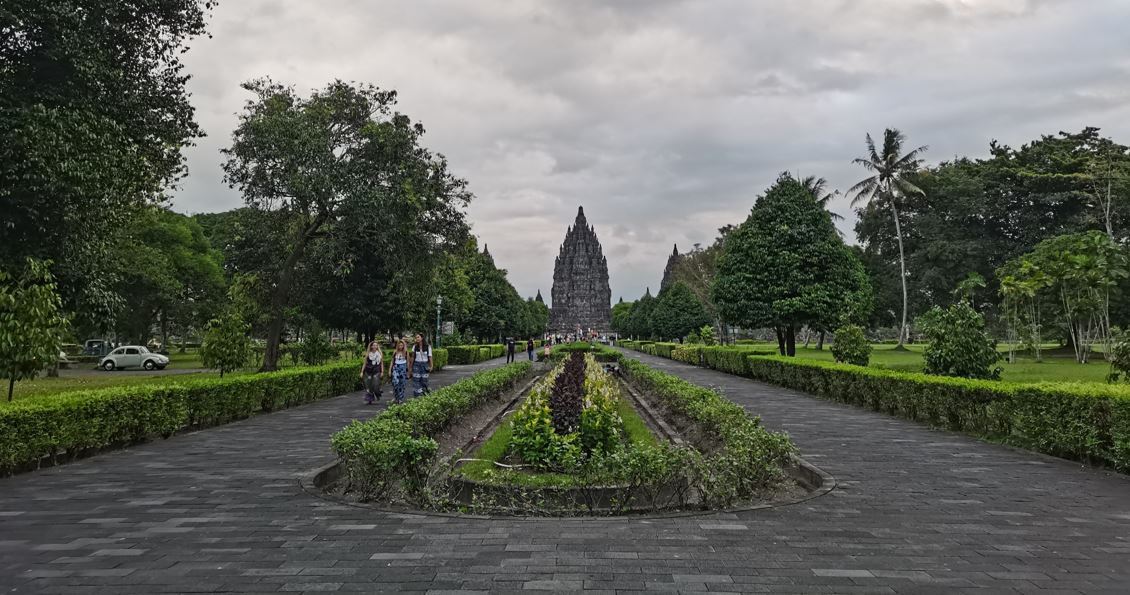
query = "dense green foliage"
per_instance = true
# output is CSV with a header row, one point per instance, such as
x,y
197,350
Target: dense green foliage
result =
x,y
395,450
958,345
331,169
30,323
93,116
678,312
850,346
226,345
786,267
169,276
70,424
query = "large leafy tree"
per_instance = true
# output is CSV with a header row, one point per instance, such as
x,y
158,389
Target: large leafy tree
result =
x,y
889,183
678,312
639,319
786,266
93,117
341,152
621,317
169,275
497,310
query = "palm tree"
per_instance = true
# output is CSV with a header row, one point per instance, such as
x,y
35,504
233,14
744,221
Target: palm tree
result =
x,y
816,187
885,187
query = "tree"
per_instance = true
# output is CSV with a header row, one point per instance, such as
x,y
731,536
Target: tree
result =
x,y
1074,275
497,310
678,312
93,116
786,267
639,320
168,274
226,345
968,287
31,322
621,318
537,315
890,182
958,344
341,151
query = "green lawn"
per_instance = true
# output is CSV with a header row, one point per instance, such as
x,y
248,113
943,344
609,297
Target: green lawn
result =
x,y
1055,368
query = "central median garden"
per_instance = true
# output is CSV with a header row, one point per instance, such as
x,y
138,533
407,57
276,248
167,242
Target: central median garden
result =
x,y
594,433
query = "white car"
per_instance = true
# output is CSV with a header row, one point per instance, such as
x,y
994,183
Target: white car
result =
x,y
133,356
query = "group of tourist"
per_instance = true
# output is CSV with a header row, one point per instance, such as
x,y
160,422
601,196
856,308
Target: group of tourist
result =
x,y
511,348
417,362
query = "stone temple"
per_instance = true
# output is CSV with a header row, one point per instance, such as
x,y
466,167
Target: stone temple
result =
x,y
581,298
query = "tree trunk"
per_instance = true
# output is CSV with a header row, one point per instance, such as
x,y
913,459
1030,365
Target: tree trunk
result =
x,y
164,332
902,276
780,340
279,297
820,341
790,341
11,386
807,336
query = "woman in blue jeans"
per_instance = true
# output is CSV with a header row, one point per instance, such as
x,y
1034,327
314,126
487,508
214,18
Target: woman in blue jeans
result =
x,y
398,371
421,364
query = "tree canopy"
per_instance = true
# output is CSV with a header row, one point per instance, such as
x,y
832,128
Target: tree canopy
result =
x,y
786,266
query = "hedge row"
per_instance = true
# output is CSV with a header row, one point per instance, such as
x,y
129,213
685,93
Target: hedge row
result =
x,y
1087,422
473,354
1083,421
69,424
396,449
730,359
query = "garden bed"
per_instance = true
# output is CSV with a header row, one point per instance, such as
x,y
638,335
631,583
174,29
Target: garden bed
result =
x,y
643,442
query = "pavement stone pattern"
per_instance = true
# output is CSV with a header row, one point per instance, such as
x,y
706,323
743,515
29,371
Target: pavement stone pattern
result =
x,y
915,511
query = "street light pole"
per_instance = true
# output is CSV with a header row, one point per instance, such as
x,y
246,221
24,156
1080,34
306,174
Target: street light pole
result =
x,y
439,302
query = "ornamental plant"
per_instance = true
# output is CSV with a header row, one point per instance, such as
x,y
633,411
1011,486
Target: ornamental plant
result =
x,y
958,344
226,344
850,346
30,323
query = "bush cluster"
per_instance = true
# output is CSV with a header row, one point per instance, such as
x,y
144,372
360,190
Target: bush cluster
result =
x,y
850,346
395,450
67,425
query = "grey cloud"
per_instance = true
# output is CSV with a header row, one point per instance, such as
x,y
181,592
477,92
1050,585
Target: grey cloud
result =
x,y
666,119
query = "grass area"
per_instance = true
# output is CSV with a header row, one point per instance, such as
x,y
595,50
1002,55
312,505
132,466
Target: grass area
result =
x,y
495,449
1057,366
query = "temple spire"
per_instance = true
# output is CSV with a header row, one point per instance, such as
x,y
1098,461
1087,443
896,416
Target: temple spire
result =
x,y
580,295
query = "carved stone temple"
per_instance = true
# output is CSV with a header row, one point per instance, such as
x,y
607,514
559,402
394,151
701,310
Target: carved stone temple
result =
x,y
581,298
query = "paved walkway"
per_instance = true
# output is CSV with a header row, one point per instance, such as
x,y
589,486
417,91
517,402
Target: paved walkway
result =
x,y
916,511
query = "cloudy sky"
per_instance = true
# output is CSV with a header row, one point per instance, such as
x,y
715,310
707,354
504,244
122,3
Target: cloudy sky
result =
x,y
666,118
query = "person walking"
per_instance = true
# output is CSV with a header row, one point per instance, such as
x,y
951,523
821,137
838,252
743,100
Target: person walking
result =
x,y
421,364
398,371
372,369
530,348
510,350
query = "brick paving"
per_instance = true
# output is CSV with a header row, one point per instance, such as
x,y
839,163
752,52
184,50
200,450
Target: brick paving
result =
x,y
915,511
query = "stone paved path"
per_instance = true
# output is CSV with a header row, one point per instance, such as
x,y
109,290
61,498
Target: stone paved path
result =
x,y
916,511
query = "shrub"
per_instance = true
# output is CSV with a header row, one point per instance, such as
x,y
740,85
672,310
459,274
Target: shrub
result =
x,y
463,354
67,425
226,345
851,346
396,449
1088,422
315,349
958,345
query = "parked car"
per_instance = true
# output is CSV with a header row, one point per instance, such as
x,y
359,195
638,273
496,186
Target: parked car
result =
x,y
133,356
96,347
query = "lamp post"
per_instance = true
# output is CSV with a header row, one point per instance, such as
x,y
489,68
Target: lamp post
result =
x,y
439,302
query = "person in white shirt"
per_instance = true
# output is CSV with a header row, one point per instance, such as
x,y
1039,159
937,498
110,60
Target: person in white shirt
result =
x,y
421,364
371,371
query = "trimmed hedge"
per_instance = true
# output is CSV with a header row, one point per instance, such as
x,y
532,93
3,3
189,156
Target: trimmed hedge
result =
x,y
67,425
396,449
726,358
1087,422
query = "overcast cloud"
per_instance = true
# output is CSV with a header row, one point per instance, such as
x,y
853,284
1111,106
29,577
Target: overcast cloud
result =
x,y
665,119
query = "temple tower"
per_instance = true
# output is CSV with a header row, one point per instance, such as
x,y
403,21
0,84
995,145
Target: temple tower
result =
x,y
581,297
